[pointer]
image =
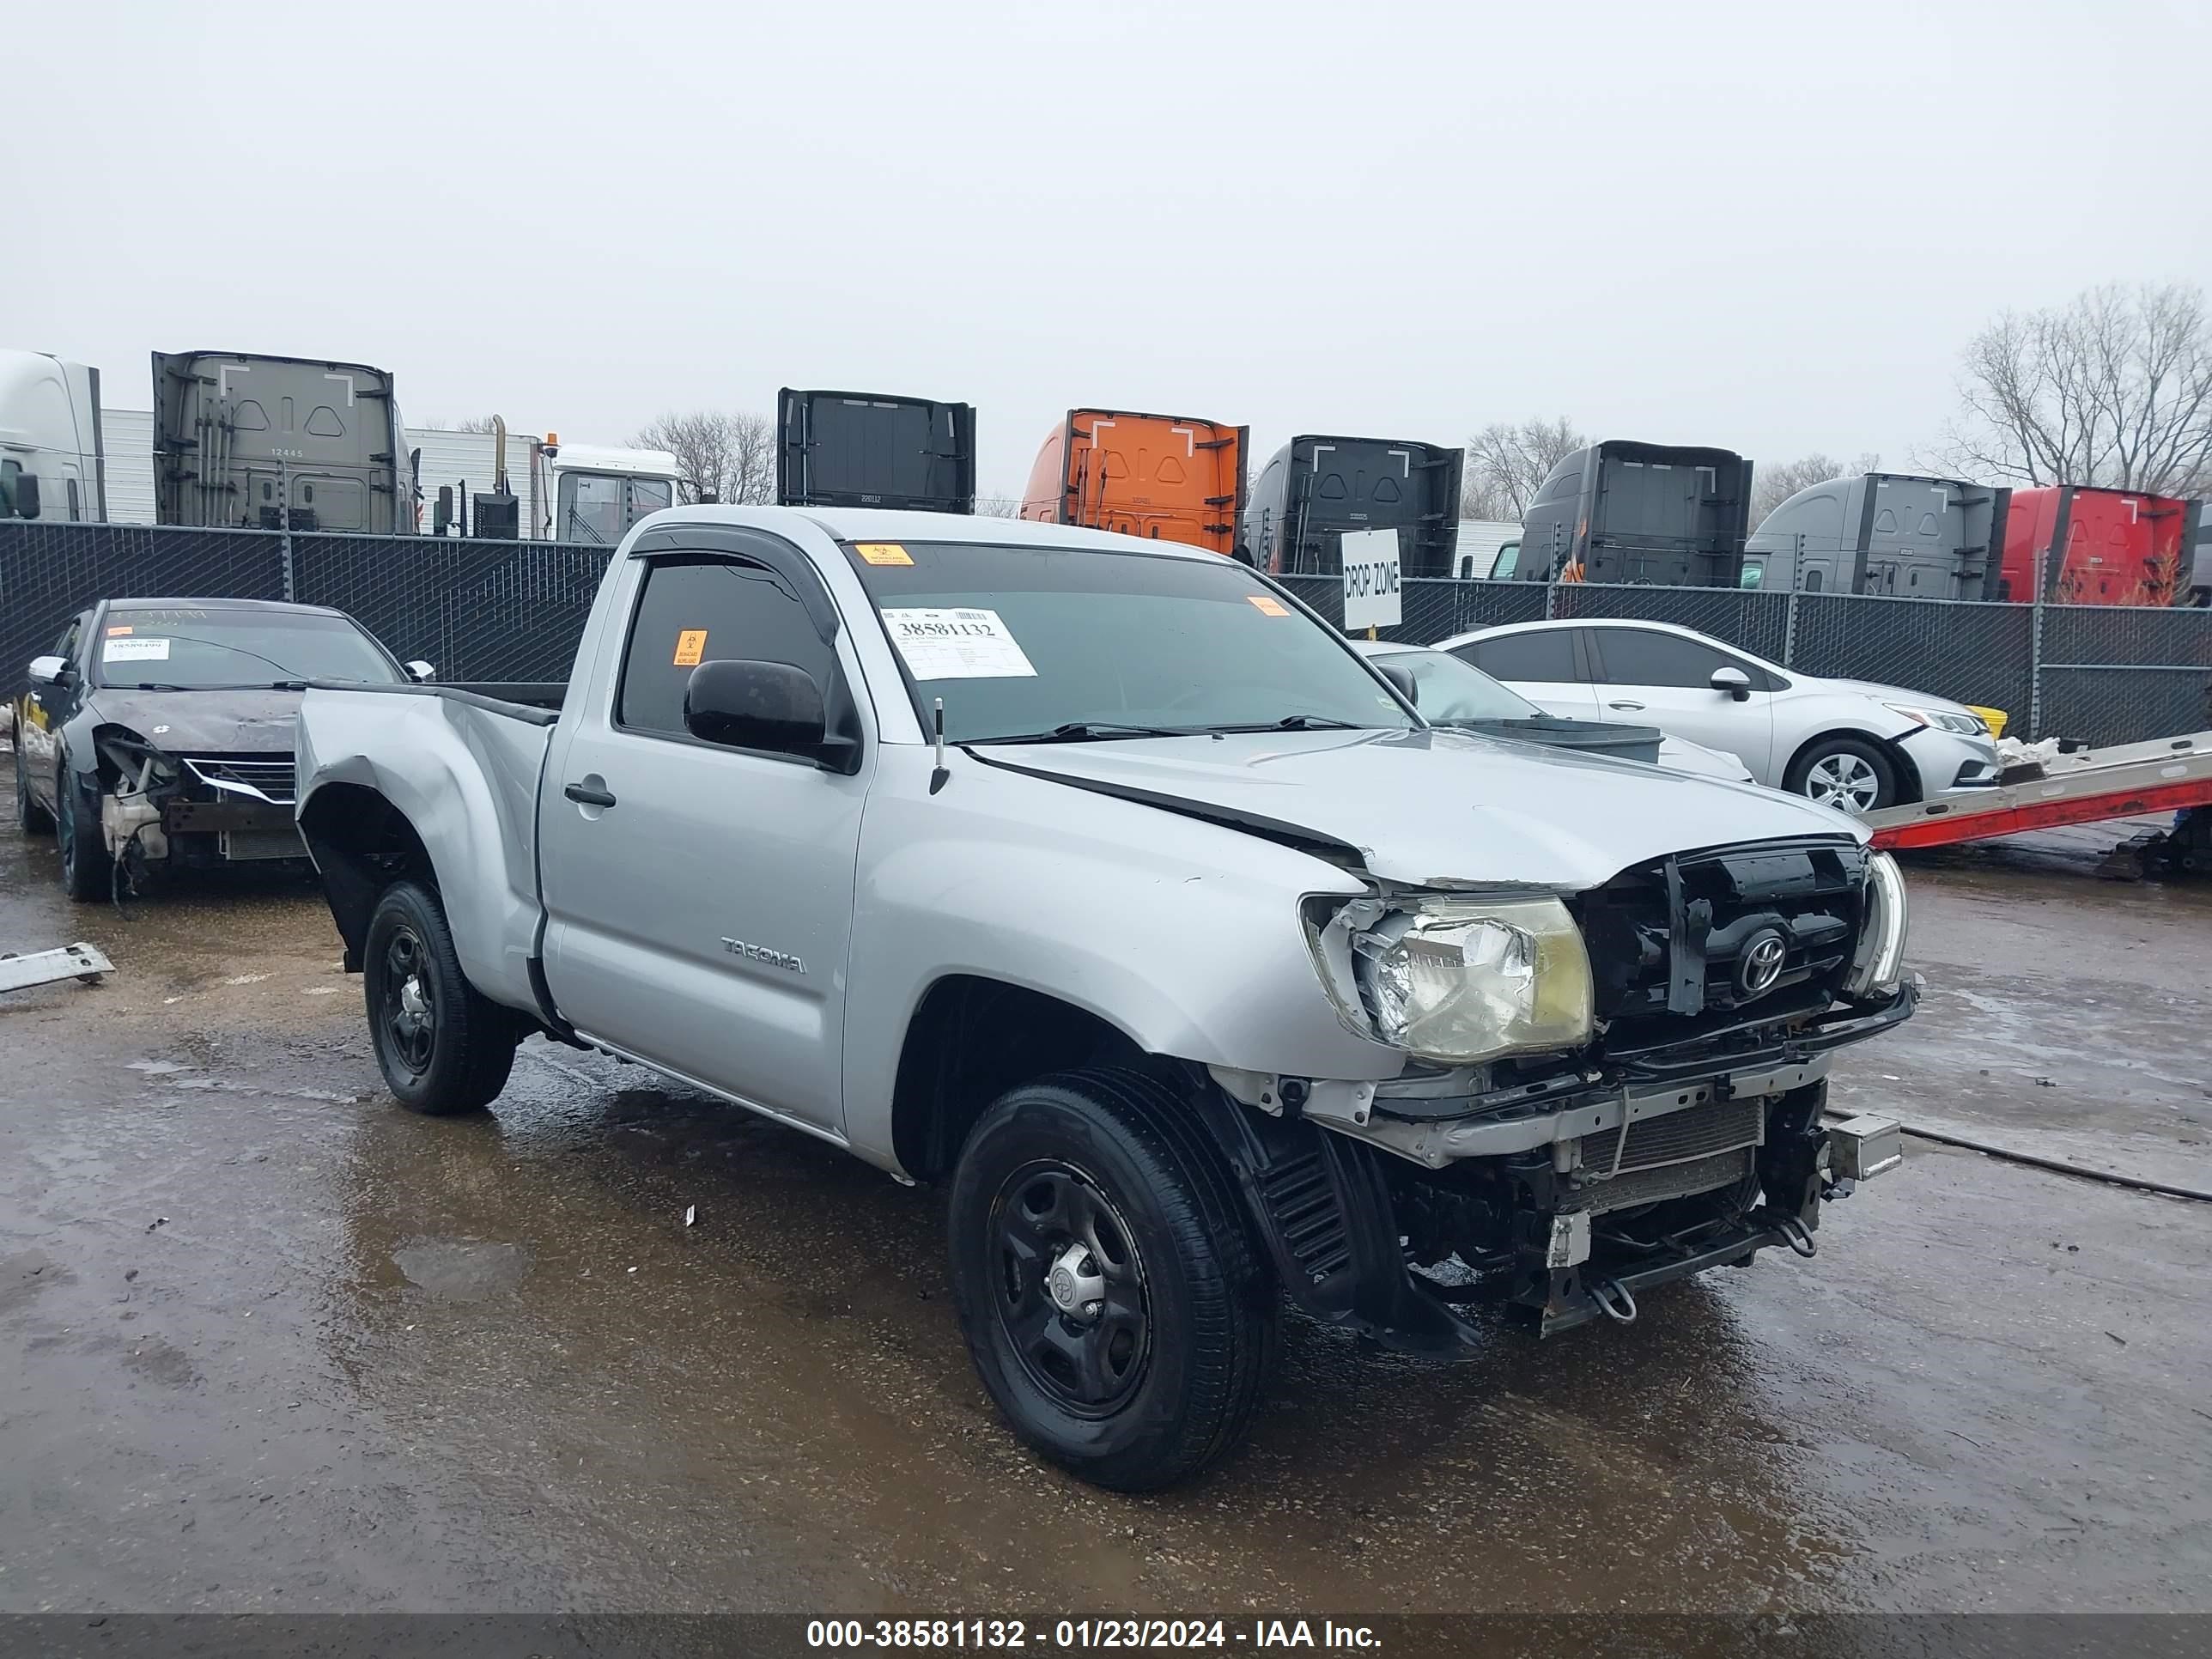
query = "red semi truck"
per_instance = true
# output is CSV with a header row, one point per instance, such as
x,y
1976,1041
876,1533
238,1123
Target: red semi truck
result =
x,y
2091,546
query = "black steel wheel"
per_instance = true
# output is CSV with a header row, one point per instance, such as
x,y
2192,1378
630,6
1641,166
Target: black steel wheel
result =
x,y
1070,1288
443,1047
1108,1282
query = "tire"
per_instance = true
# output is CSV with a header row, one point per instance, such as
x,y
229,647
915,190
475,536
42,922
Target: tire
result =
x,y
88,873
1848,773
31,818
443,1047
1151,1367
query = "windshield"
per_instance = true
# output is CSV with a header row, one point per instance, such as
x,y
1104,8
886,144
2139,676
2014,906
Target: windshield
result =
x,y
1452,690
1038,642
599,507
190,648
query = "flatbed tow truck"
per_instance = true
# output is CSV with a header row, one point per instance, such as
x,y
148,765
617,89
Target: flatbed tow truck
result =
x,y
2167,775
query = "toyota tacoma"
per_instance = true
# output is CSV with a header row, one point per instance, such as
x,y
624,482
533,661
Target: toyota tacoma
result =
x,y
1098,879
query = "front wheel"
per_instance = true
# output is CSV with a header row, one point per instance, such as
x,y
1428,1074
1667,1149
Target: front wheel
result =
x,y
1106,1279
88,872
1846,773
443,1047
30,817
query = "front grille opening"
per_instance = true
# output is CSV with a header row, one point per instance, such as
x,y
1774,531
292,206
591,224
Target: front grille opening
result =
x,y
1670,941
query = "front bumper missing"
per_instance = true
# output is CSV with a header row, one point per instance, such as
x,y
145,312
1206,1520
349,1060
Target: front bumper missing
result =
x,y
1323,1204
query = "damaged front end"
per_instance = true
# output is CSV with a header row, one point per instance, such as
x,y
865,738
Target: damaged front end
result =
x,y
161,809
1684,1130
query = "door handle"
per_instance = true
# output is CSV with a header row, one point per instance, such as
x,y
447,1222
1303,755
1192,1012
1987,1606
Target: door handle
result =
x,y
585,796
1624,703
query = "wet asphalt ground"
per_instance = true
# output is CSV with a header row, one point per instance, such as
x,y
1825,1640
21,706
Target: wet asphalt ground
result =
x,y
268,1343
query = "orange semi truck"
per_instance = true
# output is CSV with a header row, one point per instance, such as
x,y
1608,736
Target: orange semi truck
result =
x,y
1163,475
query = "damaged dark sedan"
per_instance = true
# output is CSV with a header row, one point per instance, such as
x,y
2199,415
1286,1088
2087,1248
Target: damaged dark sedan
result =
x,y
157,734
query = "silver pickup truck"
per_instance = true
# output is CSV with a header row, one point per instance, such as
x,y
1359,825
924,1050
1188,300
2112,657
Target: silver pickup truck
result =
x,y
1100,879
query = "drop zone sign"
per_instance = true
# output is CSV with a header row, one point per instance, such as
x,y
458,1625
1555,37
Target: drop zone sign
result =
x,y
1370,579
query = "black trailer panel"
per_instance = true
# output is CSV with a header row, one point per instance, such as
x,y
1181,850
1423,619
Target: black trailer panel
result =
x,y
1315,489
871,449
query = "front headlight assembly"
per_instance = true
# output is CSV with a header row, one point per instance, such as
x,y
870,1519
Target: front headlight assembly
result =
x,y
1965,725
1460,980
1878,966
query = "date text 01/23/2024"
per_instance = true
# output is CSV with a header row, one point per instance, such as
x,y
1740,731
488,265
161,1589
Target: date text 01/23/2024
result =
x,y
1085,1633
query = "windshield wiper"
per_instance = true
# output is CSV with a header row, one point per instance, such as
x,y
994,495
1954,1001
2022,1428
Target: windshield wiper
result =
x,y
1296,723
1095,732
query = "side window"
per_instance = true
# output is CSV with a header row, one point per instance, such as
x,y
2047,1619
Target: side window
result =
x,y
1547,656
1629,656
1812,580
65,646
710,610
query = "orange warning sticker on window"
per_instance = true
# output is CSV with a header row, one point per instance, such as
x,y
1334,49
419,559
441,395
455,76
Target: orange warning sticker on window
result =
x,y
691,645
112,632
883,553
1268,606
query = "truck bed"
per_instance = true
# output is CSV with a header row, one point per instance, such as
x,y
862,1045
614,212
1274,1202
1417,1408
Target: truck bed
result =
x,y
463,763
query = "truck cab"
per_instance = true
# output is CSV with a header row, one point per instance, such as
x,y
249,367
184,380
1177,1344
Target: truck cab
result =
x,y
51,467
1166,478
1881,532
1315,489
598,494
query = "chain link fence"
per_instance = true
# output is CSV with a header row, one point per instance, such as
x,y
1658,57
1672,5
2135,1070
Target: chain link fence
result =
x,y
513,611
1969,651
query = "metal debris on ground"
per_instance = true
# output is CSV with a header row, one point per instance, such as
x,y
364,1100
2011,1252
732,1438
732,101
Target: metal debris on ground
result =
x,y
80,961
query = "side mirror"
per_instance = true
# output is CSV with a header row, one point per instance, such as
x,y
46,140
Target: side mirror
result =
x,y
1734,681
444,515
47,671
1401,679
768,706
420,671
26,495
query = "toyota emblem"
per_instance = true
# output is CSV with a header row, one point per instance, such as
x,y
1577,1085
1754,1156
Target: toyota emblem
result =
x,y
1762,962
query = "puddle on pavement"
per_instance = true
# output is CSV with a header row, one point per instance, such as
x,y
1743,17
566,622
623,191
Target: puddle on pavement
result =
x,y
462,1269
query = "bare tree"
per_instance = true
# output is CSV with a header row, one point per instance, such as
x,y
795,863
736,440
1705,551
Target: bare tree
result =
x,y
1771,485
473,423
998,506
2113,388
1508,462
727,455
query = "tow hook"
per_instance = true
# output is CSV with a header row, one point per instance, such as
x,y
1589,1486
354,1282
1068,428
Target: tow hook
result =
x,y
1613,1299
1794,1234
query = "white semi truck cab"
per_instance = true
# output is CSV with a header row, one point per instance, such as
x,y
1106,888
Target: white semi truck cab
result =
x,y
51,464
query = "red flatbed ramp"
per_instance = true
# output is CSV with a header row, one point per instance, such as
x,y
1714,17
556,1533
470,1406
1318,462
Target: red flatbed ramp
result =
x,y
2123,781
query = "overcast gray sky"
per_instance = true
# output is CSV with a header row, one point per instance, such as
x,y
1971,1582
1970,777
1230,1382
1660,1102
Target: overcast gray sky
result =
x,y
1766,227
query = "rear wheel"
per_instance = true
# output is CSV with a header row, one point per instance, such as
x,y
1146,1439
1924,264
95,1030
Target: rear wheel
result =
x,y
1845,772
31,818
1107,1283
88,872
443,1047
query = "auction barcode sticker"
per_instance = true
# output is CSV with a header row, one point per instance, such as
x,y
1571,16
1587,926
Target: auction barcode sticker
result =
x,y
140,648
956,644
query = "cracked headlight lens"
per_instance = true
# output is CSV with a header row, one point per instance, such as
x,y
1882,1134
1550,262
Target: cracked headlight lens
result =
x,y
1460,980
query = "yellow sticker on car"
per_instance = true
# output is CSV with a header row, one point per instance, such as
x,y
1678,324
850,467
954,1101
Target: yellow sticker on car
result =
x,y
112,632
1268,606
691,645
883,553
